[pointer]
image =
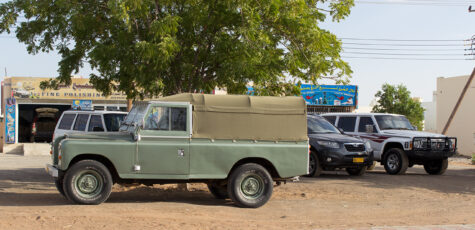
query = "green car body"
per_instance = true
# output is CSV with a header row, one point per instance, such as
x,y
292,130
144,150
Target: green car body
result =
x,y
149,156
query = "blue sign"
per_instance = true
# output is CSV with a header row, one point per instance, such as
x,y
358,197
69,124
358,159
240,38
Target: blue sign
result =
x,y
10,110
82,105
331,95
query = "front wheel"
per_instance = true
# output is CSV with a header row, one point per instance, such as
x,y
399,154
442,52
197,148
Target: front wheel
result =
x,y
58,182
314,166
250,186
396,161
88,182
436,167
356,171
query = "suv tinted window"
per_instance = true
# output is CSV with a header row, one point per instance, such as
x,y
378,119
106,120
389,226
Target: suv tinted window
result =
x,y
95,124
66,121
81,122
113,121
364,121
347,123
331,119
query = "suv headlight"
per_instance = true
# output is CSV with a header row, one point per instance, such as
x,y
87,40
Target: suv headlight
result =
x,y
329,144
420,143
368,146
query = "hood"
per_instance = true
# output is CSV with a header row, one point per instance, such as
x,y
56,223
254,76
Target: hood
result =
x,y
410,133
103,136
334,137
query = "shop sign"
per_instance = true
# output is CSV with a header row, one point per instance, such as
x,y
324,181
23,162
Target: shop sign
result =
x,y
80,88
82,105
10,122
331,95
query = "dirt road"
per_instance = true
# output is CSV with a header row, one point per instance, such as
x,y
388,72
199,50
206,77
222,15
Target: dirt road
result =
x,y
28,200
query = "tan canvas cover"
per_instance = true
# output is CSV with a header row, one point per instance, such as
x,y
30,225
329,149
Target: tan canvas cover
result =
x,y
246,117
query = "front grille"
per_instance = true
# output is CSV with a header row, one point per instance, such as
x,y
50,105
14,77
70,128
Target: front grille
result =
x,y
354,147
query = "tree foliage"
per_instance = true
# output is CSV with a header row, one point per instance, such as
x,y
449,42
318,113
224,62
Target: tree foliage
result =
x,y
397,99
152,47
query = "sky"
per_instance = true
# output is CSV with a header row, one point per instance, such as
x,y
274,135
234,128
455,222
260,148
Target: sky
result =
x,y
366,21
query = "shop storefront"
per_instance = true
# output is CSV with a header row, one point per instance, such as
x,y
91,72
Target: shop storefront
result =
x,y
26,107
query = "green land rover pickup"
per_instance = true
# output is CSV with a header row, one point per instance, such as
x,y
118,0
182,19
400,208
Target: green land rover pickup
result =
x,y
238,145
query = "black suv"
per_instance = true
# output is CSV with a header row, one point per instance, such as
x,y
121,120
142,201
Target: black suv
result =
x,y
330,149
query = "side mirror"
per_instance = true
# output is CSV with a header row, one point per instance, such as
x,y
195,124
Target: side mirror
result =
x,y
369,128
341,130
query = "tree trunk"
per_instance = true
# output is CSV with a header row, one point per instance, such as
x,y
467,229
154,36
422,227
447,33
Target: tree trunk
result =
x,y
129,105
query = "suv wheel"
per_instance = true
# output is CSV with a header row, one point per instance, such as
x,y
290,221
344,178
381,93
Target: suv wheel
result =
x,y
314,167
250,186
437,167
356,171
396,161
218,191
88,182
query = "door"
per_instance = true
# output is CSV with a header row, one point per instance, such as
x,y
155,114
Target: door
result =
x,y
164,147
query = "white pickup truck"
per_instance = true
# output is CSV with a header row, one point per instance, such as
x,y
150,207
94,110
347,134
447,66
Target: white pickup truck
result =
x,y
396,143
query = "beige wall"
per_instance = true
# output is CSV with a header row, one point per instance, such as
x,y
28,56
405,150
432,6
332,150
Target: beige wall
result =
x,y
463,124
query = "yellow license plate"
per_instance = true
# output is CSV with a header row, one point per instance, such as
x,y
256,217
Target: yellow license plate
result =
x,y
358,159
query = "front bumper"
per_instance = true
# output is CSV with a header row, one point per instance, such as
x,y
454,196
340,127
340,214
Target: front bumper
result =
x,y
335,159
52,171
429,155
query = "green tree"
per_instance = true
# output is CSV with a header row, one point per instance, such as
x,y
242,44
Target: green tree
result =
x,y
149,47
397,99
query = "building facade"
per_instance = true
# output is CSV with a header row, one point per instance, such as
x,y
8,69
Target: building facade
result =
x,y
463,124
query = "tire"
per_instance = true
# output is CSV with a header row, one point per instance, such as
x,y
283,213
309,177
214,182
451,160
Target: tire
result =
x,y
219,192
88,182
436,167
59,185
250,186
356,171
314,166
396,161
371,167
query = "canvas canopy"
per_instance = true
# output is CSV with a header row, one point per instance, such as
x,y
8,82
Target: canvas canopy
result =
x,y
246,117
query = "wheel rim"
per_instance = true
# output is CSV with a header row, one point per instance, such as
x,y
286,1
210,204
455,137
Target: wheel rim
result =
x,y
88,184
393,161
312,164
252,187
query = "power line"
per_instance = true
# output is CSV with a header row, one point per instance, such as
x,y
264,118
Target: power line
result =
x,y
405,40
392,44
404,54
402,49
410,59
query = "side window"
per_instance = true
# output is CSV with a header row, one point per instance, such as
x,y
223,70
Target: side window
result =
x,y
347,123
331,119
178,119
81,122
66,121
165,118
95,124
364,121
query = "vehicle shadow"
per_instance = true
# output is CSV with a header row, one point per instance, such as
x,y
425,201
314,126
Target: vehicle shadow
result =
x,y
461,181
33,187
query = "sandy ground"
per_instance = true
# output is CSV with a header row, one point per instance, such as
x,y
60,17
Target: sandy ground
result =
x,y
28,200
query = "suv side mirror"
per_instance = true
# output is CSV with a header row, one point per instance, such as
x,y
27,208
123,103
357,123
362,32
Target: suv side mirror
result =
x,y
369,128
341,130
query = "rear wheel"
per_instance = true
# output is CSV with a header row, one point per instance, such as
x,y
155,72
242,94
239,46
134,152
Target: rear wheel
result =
x,y
88,182
218,191
250,186
314,167
396,161
356,171
437,167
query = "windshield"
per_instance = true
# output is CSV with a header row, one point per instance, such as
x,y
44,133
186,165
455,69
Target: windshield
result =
x,y
393,122
320,125
113,121
135,116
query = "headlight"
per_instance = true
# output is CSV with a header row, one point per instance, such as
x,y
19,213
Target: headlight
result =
x,y
368,146
329,144
420,143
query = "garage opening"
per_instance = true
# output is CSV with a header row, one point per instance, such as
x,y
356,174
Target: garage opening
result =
x,y
36,122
